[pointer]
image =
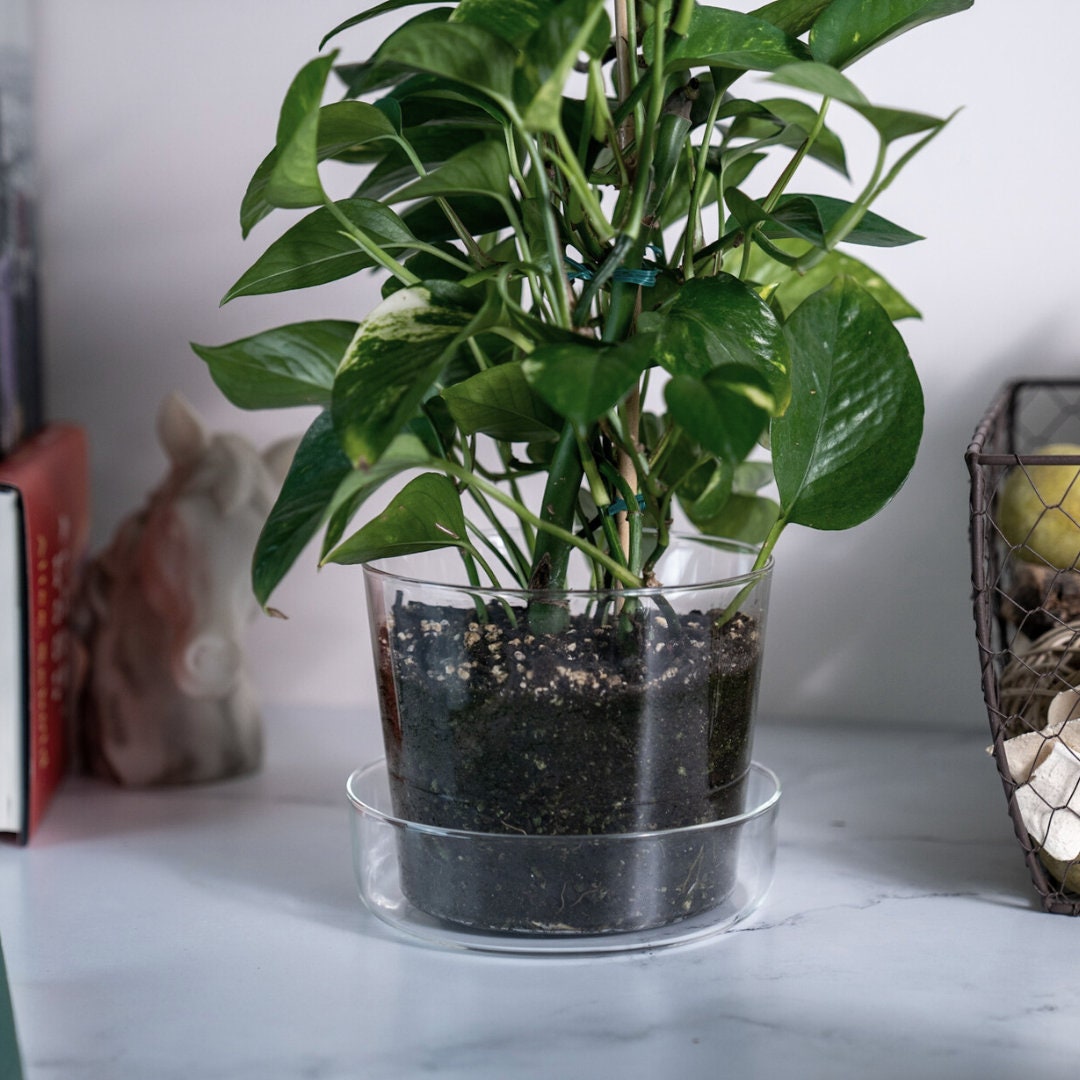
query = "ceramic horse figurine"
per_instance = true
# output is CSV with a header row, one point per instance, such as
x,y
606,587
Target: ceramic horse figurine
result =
x,y
166,697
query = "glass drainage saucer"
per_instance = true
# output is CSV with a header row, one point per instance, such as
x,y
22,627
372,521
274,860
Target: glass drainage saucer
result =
x,y
565,880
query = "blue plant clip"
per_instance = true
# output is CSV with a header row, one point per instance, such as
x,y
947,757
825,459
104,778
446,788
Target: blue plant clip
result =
x,y
619,505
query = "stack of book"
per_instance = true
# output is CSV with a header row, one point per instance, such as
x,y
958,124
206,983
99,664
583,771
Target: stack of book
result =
x,y
44,513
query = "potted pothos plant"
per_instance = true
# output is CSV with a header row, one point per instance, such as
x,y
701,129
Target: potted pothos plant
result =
x,y
607,299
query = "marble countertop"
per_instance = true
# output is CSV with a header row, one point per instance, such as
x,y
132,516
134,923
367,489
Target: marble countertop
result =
x,y
216,933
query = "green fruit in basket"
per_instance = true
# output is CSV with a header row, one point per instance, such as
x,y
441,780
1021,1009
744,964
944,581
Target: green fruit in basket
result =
x,y
1039,510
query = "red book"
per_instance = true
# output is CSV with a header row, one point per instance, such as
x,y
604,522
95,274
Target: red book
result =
x,y
44,526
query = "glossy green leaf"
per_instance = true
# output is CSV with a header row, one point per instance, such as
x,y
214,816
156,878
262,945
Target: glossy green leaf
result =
x,y
316,250
573,27
318,467
722,38
794,17
466,54
848,29
512,20
500,402
343,126
405,453
822,79
393,363
790,287
294,177
812,217
479,214
718,321
426,514
850,435
746,518
725,410
582,382
797,119
379,9
892,124
433,146
480,169
291,365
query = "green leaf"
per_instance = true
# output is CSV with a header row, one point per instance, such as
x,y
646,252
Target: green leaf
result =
x,y
426,514
746,518
318,467
722,38
725,410
512,20
316,250
848,29
582,382
371,13
892,124
821,79
718,321
480,169
343,126
796,118
291,365
433,146
500,402
392,364
465,54
812,217
294,178
850,435
549,56
791,287
479,214
794,17
404,453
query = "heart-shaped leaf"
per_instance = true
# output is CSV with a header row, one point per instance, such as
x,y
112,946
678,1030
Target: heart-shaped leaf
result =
x,y
717,321
512,20
722,38
465,54
393,362
848,29
291,365
426,514
549,56
344,126
851,432
812,218
725,410
480,169
294,177
582,382
316,250
500,402
794,17
317,469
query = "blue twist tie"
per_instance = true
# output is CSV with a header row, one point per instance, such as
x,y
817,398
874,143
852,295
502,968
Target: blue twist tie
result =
x,y
619,505
646,276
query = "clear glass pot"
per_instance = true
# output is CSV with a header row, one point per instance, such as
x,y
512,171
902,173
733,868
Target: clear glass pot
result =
x,y
575,714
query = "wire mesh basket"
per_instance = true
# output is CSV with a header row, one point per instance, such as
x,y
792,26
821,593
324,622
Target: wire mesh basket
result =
x,y
1024,462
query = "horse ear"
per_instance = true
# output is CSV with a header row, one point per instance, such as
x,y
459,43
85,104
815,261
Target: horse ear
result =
x,y
180,430
278,456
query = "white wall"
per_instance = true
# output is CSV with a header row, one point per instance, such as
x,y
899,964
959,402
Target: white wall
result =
x,y
152,117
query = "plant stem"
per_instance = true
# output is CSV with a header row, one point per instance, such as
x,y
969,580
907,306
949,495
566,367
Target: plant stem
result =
x,y
620,573
388,262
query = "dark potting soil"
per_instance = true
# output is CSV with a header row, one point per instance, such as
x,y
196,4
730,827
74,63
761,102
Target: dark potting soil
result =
x,y
611,726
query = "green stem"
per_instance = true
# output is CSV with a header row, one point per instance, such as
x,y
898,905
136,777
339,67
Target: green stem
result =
x,y
697,192
782,181
388,262
620,573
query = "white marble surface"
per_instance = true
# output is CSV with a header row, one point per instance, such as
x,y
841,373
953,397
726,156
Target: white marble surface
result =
x,y
215,933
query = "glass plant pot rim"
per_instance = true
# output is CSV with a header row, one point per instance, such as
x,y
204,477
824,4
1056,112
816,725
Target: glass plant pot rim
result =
x,y
381,569
383,817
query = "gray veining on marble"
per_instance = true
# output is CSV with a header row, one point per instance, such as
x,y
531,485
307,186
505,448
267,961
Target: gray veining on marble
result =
x,y
215,933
